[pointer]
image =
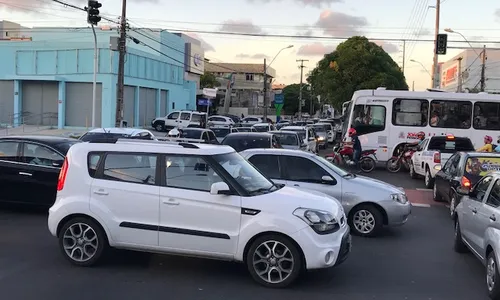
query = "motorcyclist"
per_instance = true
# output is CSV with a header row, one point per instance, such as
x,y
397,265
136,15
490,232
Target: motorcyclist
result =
x,y
356,145
488,147
420,137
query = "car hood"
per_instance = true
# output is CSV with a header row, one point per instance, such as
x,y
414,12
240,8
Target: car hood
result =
x,y
368,185
288,199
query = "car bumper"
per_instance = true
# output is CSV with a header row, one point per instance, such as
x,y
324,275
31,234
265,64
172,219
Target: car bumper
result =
x,y
324,251
397,213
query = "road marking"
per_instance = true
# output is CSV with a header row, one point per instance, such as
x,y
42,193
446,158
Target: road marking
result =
x,y
430,190
420,205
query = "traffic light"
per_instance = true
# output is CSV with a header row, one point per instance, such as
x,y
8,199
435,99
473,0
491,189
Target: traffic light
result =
x,y
93,12
441,43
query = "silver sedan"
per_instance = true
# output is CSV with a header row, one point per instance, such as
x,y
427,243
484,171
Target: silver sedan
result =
x,y
290,140
369,204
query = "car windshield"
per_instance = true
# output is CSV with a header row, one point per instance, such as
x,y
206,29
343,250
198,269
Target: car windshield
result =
x,y
450,145
332,166
301,132
261,128
244,129
191,134
240,143
319,128
220,132
93,136
287,139
64,147
244,173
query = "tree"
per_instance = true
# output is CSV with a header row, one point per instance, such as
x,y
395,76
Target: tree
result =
x,y
291,94
208,80
356,64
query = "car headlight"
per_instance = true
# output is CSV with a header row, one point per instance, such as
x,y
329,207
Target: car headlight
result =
x,y
401,198
321,222
321,138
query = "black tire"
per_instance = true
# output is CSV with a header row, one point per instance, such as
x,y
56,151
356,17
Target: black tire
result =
x,y
435,195
159,127
377,216
492,286
102,241
458,244
296,256
453,206
393,165
366,164
429,181
413,175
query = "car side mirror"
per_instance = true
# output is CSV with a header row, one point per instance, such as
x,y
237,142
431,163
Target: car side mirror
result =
x,y
220,188
328,180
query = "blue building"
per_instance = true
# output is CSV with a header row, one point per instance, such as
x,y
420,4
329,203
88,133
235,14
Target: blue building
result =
x,y
46,78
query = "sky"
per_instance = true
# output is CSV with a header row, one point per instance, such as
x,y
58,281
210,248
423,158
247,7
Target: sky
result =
x,y
313,27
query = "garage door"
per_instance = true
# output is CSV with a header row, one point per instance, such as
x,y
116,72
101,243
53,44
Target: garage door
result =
x,y
40,100
163,103
79,104
6,101
129,104
147,106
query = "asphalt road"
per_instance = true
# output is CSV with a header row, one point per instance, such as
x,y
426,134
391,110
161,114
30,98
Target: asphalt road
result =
x,y
413,262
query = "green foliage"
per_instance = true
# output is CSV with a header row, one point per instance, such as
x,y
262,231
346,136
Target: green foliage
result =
x,y
291,94
356,64
208,80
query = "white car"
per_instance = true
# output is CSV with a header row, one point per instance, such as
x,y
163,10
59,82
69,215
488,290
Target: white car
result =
x,y
193,200
179,119
307,134
219,120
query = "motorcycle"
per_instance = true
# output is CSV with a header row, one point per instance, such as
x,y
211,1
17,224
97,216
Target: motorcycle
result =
x,y
344,156
395,163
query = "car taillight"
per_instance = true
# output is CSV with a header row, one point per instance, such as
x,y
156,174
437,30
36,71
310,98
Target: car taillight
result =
x,y
62,175
465,182
437,158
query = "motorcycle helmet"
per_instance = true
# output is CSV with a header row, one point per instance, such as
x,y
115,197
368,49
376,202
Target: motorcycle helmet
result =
x,y
488,139
421,135
351,132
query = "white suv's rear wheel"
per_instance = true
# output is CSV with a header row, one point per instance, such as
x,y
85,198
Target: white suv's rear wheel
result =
x,y
274,261
82,241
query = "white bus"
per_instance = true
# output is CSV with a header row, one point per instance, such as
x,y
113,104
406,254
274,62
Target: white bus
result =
x,y
387,119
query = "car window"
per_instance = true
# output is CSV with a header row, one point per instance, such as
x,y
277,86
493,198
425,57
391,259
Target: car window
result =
x,y
8,151
240,143
267,164
190,134
92,161
287,139
494,196
447,145
190,172
35,154
130,167
451,166
303,170
173,116
204,136
481,188
185,116
220,132
196,118
211,136
64,147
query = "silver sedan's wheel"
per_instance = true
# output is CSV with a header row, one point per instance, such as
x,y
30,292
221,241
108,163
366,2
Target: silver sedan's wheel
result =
x,y
82,241
366,220
491,269
274,261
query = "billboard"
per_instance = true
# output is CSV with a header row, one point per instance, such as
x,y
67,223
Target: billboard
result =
x,y
195,59
477,167
449,75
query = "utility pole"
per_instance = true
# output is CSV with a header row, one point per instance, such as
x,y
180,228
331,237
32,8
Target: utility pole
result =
x,y
435,66
121,65
300,91
483,69
460,75
265,91
404,56
413,85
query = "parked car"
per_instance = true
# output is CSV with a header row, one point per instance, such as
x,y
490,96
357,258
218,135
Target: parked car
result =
x,y
241,140
29,168
369,204
290,140
477,227
307,134
462,170
110,134
180,119
186,199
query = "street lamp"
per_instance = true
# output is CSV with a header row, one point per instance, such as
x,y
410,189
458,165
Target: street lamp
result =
x,y
425,69
265,78
449,30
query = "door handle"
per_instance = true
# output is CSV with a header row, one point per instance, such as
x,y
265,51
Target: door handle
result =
x,y
25,174
296,185
170,202
474,210
493,218
101,192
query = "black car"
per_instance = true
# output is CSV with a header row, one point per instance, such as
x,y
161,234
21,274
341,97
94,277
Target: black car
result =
x,y
241,141
462,170
29,168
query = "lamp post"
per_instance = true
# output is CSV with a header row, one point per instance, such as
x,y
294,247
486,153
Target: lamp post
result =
x,y
423,67
449,30
265,79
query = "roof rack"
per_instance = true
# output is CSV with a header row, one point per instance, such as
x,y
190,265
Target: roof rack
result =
x,y
158,142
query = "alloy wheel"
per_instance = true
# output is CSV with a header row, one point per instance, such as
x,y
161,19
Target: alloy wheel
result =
x,y
80,242
273,261
490,273
363,221
453,204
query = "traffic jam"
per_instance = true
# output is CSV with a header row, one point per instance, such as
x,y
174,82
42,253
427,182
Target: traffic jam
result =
x,y
280,198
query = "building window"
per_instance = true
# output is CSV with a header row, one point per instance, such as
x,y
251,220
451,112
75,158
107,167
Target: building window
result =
x,y
249,76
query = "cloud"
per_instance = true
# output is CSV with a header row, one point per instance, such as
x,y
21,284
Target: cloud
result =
x,y
252,56
241,26
315,49
314,3
340,24
304,30
388,47
206,46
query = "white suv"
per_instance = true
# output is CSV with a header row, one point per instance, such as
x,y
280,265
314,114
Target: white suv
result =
x,y
180,119
193,200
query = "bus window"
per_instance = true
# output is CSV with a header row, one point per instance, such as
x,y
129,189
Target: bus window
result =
x,y
486,116
368,118
451,114
410,112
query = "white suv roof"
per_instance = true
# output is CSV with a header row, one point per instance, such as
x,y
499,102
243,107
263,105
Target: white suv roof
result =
x,y
120,130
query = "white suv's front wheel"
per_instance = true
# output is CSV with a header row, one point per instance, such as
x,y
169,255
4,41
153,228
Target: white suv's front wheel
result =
x,y
82,241
274,261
